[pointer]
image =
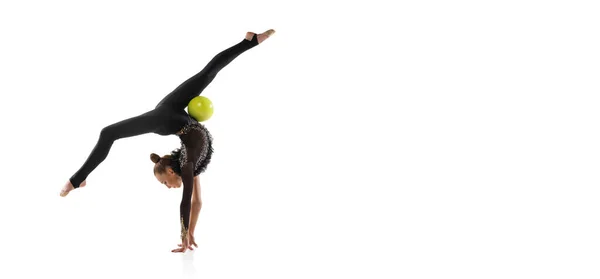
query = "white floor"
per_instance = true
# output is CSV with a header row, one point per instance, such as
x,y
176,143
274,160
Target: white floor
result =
x,y
91,235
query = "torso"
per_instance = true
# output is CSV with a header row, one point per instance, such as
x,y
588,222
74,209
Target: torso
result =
x,y
193,135
196,139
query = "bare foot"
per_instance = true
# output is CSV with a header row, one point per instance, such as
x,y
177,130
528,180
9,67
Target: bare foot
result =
x,y
69,187
261,37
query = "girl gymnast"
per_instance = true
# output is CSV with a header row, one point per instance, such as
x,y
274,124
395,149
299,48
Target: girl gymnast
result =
x,y
184,165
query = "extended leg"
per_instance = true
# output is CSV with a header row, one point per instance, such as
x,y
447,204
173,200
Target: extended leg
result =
x,y
134,126
192,87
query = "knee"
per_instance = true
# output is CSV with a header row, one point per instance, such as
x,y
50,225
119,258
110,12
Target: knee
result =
x,y
108,133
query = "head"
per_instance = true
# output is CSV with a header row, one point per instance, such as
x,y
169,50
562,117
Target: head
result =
x,y
163,171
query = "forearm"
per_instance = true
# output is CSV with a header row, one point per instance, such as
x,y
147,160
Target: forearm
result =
x,y
186,200
194,213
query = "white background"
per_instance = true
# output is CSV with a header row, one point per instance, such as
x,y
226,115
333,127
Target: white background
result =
x,y
419,139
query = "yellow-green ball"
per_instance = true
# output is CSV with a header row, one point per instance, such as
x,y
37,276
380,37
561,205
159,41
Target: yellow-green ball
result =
x,y
200,108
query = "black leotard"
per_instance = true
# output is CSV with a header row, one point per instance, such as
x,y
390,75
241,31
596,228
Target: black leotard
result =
x,y
168,118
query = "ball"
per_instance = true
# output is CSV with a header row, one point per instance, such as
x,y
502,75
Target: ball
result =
x,y
200,108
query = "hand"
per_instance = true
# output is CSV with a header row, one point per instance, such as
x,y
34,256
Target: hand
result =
x,y
192,241
185,244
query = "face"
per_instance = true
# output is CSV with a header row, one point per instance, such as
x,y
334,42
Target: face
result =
x,y
169,179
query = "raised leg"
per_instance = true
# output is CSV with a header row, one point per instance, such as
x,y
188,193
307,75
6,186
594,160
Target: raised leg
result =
x,y
142,124
193,86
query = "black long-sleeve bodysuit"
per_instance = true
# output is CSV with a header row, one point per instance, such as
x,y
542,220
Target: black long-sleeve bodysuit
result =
x,y
168,118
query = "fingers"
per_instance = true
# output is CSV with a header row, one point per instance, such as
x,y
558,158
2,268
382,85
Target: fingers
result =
x,y
179,250
187,244
182,248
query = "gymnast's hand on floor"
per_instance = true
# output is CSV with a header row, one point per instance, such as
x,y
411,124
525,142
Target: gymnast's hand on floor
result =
x,y
185,244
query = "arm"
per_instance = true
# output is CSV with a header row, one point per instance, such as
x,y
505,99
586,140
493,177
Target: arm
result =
x,y
196,205
193,151
187,177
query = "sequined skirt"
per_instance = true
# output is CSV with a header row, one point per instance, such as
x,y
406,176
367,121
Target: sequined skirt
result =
x,y
204,138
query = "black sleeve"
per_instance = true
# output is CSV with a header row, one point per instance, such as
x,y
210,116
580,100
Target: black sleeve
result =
x,y
187,177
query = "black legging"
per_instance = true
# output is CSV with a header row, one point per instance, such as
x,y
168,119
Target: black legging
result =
x,y
169,115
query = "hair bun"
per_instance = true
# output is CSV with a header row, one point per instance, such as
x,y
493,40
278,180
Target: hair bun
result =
x,y
155,158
